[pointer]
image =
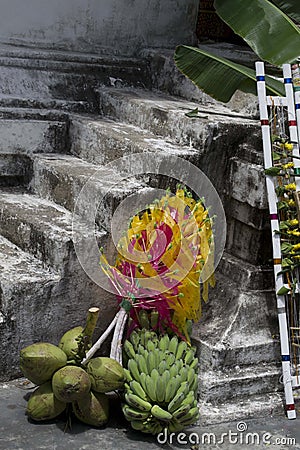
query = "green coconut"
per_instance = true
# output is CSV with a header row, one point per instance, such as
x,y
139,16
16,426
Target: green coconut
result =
x,y
43,405
93,410
69,342
39,361
71,383
106,374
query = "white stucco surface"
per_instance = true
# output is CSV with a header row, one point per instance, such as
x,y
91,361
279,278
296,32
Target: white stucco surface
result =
x,y
119,26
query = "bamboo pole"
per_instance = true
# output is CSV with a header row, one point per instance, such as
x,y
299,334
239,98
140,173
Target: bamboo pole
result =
x,y
91,320
274,219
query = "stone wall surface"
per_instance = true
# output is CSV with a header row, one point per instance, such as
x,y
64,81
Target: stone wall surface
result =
x,y
112,26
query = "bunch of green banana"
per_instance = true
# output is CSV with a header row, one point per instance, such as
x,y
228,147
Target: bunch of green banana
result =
x,y
161,382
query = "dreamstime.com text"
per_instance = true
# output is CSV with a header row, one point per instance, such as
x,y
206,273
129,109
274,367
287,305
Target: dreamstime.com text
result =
x,y
239,436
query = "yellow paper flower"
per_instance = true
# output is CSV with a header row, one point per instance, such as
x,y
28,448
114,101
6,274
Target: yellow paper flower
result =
x,y
288,165
289,147
293,222
290,187
293,232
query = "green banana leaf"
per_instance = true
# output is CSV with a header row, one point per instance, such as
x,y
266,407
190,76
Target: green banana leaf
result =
x,y
290,7
220,77
272,35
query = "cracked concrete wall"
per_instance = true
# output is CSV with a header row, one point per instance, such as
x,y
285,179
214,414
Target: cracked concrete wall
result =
x,y
112,26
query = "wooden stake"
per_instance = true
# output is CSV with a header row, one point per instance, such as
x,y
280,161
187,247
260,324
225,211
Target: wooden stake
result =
x,y
91,320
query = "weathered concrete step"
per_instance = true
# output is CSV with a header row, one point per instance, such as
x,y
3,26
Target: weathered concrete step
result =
x,y
240,183
253,406
24,130
62,177
249,244
248,349
165,115
44,229
49,74
26,289
38,226
167,78
38,304
102,140
11,101
220,386
15,169
31,54
252,152
246,205
249,276
238,324
228,145
246,184
33,112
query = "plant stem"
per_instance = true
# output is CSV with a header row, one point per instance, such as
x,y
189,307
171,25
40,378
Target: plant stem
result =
x,y
91,320
100,341
116,345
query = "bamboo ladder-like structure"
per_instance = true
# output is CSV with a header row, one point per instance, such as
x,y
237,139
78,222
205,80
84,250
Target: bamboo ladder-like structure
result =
x,y
288,313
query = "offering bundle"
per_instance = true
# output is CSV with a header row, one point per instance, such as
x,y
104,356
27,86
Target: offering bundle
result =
x,y
152,364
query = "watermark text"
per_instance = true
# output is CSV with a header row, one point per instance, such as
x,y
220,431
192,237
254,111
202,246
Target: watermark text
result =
x,y
240,436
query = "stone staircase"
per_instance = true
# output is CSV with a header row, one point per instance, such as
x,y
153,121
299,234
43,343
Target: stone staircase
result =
x,y
67,119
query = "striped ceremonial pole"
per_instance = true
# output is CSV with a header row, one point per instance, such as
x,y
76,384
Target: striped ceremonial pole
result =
x,y
279,281
295,72
296,86
297,107
292,122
